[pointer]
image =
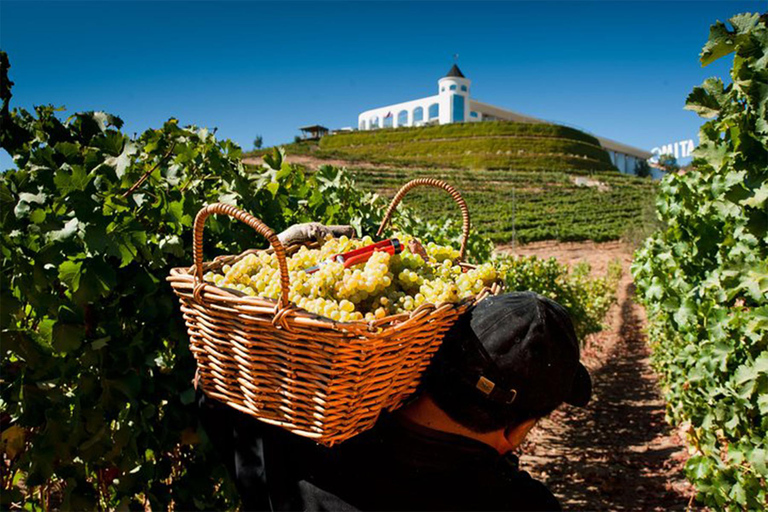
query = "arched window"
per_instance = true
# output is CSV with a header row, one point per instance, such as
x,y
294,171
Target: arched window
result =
x,y
387,120
402,118
374,123
434,111
453,87
464,88
361,126
418,115
458,108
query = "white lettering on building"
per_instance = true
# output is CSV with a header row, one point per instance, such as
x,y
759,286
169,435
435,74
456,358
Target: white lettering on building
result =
x,y
679,149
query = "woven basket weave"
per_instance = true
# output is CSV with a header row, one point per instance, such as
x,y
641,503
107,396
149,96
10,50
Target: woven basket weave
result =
x,y
315,377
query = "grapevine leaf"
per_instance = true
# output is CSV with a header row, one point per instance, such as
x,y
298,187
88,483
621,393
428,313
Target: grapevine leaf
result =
x,y
723,41
69,273
68,231
759,459
68,182
744,23
13,441
37,216
100,343
67,337
123,161
25,199
706,101
720,44
762,403
738,494
759,198
273,187
761,363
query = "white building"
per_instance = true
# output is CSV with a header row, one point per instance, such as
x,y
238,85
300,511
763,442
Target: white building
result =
x,y
452,104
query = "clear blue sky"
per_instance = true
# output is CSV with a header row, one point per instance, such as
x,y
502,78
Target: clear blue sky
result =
x,y
618,69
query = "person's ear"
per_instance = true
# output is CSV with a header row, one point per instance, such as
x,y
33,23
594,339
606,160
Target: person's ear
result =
x,y
515,435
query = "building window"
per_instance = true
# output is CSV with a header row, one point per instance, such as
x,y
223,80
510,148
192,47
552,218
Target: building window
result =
x,y
442,89
458,108
402,118
473,114
374,122
453,87
464,88
418,115
434,111
387,120
361,126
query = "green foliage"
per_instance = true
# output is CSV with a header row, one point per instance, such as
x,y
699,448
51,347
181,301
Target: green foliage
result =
x,y
642,169
704,279
94,368
586,298
258,142
488,145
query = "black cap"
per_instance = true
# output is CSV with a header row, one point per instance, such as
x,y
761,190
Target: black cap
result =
x,y
518,349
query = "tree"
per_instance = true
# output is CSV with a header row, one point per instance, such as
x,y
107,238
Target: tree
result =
x,y
258,142
668,163
642,169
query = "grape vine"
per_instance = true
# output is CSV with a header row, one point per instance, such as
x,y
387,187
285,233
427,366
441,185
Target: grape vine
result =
x,y
704,279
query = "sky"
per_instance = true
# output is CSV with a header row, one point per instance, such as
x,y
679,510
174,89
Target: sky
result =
x,y
618,69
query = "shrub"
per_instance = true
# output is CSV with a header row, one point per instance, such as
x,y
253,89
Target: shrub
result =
x,y
586,298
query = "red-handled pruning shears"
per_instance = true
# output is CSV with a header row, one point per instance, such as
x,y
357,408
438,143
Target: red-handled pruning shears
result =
x,y
361,255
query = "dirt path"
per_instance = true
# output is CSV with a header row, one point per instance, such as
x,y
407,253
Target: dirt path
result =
x,y
314,162
618,453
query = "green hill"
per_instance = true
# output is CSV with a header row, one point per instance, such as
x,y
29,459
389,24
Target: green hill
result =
x,y
488,145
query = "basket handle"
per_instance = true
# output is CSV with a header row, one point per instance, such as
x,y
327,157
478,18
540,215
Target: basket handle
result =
x,y
250,220
431,182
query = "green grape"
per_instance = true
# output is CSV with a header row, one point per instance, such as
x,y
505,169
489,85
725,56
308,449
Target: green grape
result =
x,y
383,285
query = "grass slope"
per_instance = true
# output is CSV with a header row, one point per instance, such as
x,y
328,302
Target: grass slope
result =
x,y
488,145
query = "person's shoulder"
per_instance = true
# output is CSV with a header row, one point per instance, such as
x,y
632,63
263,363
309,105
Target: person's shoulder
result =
x,y
518,490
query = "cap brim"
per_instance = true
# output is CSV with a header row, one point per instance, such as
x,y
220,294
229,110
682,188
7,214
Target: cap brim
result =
x,y
581,391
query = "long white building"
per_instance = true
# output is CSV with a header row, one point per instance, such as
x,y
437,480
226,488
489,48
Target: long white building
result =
x,y
452,104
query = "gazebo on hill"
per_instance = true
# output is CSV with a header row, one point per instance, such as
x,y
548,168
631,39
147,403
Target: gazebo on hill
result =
x,y
313,132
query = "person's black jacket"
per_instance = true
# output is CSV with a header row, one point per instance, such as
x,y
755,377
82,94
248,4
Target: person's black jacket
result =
x,y
397,465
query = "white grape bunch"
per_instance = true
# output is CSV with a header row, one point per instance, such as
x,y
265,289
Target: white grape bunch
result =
x,y
382,286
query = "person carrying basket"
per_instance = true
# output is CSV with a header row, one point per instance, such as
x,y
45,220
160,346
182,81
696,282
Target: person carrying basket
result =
x,y
507,362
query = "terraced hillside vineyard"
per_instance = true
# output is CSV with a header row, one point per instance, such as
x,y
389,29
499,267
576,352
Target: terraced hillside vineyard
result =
x,y
530,206
523,182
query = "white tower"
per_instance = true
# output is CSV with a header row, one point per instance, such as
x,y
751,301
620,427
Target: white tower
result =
x,y
453,91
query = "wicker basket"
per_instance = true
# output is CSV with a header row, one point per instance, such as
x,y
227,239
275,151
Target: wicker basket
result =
x,y
315,377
